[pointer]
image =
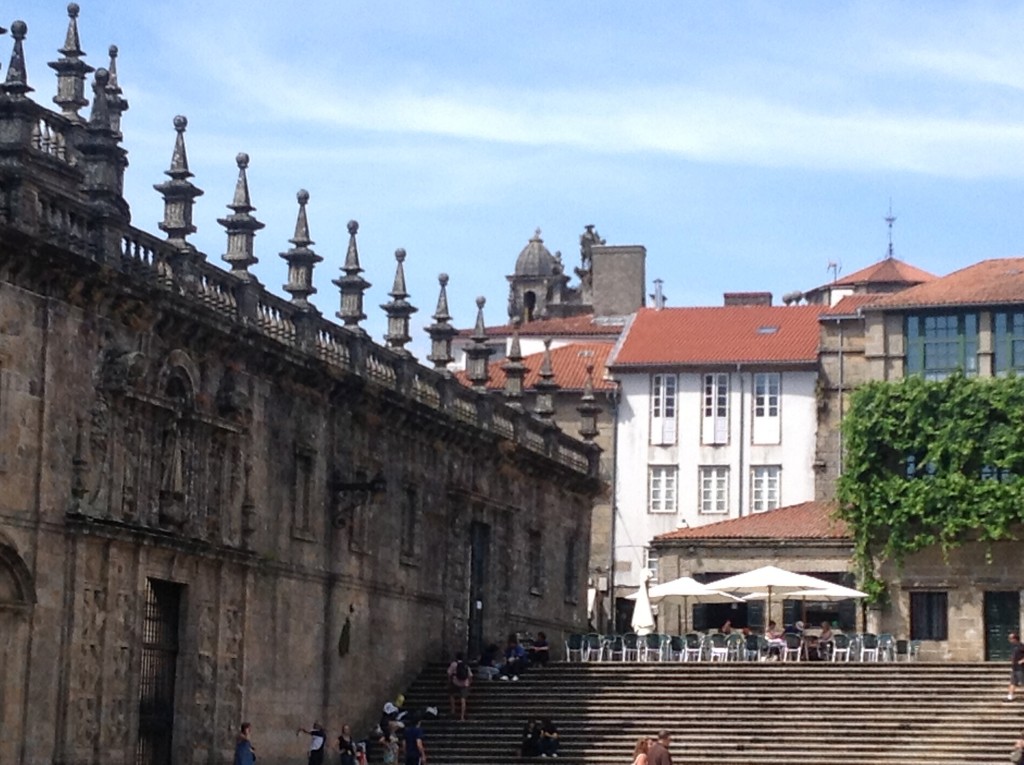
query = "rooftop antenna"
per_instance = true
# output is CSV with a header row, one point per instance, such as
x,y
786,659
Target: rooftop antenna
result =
x,y
835,267
890,219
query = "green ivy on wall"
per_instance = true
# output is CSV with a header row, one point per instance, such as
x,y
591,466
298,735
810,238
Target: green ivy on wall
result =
x,y
931,463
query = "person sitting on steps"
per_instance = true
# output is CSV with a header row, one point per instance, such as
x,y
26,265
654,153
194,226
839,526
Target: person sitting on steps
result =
x,y
540,650
515,659
530,745
548,739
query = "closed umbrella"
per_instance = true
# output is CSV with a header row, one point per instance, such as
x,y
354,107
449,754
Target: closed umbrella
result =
x,y
686,590
769,581
643,618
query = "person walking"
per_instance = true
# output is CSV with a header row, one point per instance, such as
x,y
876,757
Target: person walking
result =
x,y
1016,665
1017,753
347,746
640,751
415,751
316,743
245,752
459,680
658,753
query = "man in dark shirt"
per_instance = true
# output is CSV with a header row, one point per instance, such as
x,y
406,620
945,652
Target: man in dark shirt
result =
x,y
415,752
658,754
1016,665
548,739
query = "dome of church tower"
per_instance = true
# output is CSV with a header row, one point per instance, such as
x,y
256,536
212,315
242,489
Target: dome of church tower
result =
x,y
536,259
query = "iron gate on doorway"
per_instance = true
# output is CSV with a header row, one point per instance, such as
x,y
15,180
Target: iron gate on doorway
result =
x,y
159,667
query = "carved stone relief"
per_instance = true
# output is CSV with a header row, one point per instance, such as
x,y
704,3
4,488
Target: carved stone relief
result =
x,y
155,457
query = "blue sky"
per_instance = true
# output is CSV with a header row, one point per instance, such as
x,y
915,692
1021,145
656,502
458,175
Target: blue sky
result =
x,y
746,145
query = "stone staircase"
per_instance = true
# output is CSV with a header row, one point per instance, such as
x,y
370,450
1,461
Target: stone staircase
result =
x,y
736,713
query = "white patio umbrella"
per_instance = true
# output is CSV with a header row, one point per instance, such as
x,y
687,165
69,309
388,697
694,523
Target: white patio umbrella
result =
x,y
835,592
686,590
643,618
769,581
832,593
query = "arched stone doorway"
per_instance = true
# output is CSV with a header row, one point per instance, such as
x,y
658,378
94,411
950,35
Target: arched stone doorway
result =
x,y
17,597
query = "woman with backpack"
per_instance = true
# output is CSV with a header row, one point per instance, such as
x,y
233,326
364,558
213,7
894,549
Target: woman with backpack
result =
x,y
459,679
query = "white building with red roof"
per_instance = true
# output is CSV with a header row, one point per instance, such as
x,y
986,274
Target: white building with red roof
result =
x,y
716,419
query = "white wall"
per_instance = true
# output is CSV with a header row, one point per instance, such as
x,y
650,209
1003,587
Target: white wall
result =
x,y
635,526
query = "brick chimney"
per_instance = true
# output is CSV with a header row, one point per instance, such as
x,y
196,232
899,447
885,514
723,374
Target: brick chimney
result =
x,y
748,298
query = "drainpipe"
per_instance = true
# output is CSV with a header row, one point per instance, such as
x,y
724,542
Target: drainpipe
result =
x,y
614,396
743,409
839,324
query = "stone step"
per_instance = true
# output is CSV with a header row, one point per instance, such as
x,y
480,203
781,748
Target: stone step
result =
x,y
839,714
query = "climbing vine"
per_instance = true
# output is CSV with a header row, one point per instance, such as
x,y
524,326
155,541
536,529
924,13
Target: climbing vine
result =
x,y
931,463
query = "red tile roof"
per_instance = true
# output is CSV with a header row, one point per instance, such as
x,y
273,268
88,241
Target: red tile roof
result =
x,y
990,282
569,363
886,271
849,305
584,326
809,520
720,335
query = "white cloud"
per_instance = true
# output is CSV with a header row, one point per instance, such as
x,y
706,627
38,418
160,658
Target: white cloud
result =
x,y
727,125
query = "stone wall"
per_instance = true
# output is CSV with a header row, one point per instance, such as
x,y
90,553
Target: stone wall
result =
x,y
200,475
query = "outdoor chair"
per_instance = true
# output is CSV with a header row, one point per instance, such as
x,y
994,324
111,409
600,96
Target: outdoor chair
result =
x,y
840,647
612,648
752,650
715,647
630,647
693,647
901,650
868,647
886,647
915,650
595,647
574,647
793,648
735,646
676,650
651,647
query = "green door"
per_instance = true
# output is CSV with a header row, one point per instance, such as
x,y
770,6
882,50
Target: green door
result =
x,y
1002,616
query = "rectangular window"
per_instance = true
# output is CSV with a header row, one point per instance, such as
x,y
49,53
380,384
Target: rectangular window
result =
x,y
714,489
572,581
1009,340
410,513
940,344
663,409
662,488
536,560
301,495
715,409
651,564
764,487
767,428
928,616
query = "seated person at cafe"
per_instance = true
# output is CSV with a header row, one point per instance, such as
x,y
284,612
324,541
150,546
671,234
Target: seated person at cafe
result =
x,y
540,650
797,628
726,629
775,640
825,640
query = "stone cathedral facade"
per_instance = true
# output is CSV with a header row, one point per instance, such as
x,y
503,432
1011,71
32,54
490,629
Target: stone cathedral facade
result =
x,y
216,504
